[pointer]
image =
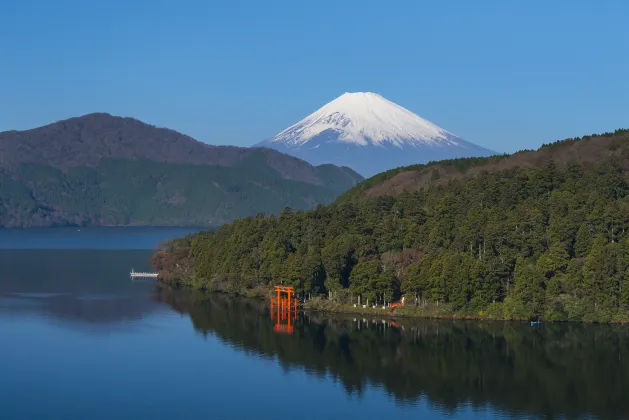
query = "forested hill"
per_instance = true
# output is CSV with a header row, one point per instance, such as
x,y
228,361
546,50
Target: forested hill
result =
x,y
104,170
533,235
86,140
573,151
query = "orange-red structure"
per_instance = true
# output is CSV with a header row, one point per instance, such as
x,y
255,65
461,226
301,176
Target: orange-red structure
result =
x,y
399,303
283,320
284,308
285,298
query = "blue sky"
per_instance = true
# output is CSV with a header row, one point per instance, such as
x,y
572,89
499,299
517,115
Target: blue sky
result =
x,y
505,75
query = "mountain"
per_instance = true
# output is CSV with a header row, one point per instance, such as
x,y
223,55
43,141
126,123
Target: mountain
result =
x,y
99,169
533,235
84,141
370,134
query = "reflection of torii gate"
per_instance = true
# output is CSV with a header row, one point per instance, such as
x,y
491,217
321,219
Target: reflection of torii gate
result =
x,y
284,308
281,316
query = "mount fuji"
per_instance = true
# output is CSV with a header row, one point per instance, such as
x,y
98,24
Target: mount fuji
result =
x,y
370,134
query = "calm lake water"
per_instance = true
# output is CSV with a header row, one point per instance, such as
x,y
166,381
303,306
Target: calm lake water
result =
x,y
80,340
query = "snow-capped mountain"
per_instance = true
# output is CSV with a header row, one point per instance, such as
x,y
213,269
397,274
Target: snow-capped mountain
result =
x,y
370,134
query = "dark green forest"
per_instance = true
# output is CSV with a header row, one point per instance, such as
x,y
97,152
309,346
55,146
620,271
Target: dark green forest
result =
x,y
534,235
144,192
100,169
559,371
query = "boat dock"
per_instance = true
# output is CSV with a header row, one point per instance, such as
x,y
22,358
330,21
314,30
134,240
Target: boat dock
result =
x,y
135,274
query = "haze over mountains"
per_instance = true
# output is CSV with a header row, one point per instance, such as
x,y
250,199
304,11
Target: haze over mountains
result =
x,y
104,170
370,134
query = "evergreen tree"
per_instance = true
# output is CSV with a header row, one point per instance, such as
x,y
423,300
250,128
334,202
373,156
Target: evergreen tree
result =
x,y
594,271
362,278
583,242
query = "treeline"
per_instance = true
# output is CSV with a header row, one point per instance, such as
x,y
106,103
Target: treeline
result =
x,y
547,242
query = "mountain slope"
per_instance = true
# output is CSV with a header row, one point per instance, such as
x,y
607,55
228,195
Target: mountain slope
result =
x,y
582,151
535,235
83,141
369,134
105,170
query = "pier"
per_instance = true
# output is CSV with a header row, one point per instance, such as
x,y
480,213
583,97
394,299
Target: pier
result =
x,y
135,274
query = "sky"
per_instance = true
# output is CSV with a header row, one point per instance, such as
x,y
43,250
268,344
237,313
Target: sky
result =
x,y
503,74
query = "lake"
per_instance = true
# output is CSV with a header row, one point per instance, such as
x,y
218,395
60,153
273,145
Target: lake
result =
x,y
81,340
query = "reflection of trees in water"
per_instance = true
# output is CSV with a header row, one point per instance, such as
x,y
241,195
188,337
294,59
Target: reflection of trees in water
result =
x,y
558,369
82,286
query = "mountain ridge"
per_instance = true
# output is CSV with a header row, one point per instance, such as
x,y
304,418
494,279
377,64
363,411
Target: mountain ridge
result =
x,y
99,169
584,150
84,140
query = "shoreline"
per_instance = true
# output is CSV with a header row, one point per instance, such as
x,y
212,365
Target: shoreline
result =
x,y
401,312
407,312
419,313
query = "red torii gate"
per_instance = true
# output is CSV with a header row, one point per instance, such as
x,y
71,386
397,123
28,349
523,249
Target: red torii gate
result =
x,y
284,299
284,308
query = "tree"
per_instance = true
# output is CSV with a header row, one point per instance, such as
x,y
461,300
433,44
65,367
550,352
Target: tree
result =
x,y
364,275
582,242
528,296
603,274
338,259
554,261
574,279
594,270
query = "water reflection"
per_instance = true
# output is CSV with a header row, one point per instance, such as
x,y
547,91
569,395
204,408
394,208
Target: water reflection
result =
x,y
284,319
85,287
557,370
283,309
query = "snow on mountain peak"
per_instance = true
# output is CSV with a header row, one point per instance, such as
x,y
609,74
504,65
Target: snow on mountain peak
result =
x,y
370,134
364,118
